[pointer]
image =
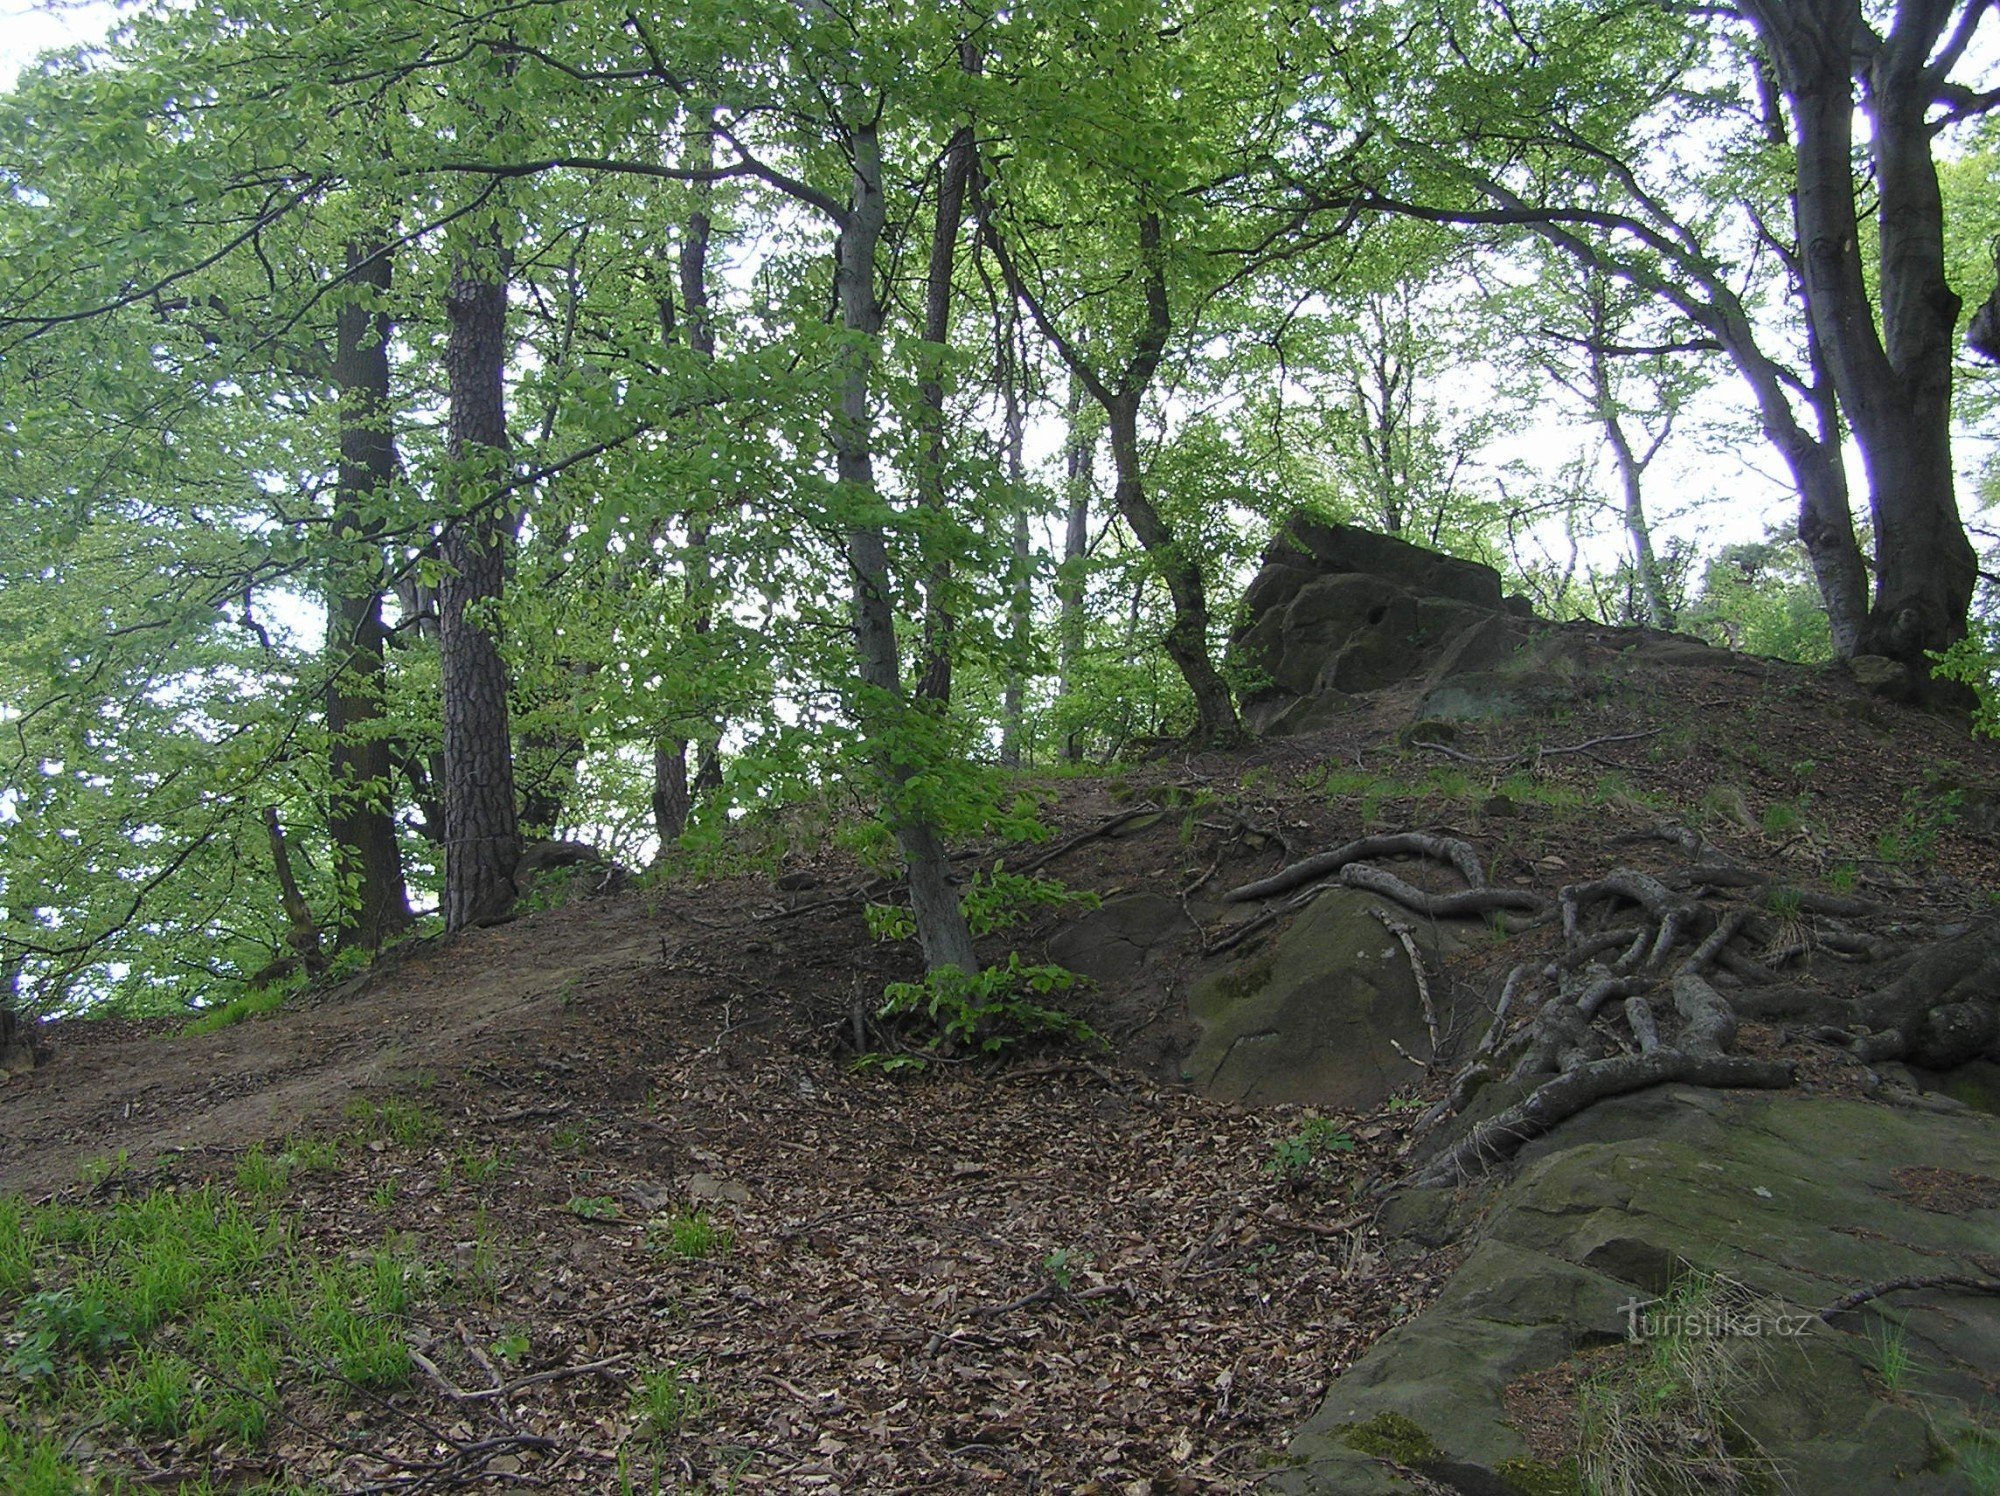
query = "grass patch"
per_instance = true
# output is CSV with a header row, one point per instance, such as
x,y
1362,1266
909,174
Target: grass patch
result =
x,y
173,1317
392,1119
665,1403
692,1234
255,1003
1657,1421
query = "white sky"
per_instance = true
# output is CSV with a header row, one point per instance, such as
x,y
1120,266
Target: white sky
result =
x,y
26,31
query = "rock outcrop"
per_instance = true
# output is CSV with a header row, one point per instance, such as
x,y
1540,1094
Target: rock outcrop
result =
x,y
1331,1014
1788,1202
1336,611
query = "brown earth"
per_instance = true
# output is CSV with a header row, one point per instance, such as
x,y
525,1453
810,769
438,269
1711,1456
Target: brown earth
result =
x,y
1057,1273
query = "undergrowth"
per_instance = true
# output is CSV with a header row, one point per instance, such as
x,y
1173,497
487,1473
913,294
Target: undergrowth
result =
x,y
181,1317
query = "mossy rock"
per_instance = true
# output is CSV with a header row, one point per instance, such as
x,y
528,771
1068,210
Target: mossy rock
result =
x,y
1317,1019
1392,1436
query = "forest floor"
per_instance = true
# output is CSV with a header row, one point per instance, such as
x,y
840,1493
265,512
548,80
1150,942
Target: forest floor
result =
x,y
660,1233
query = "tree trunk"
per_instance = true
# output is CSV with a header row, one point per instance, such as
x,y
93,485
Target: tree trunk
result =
x,y
1187,637
1020,599
367,861
482,839
941,927
934,676
1895,385
674,792
1077,464
1631,465
301,933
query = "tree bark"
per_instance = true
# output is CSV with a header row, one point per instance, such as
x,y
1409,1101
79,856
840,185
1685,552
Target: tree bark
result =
x,y
367,860
934,675
674,790
1020,600
1077,464
1894,385
301,933
482,838
941,927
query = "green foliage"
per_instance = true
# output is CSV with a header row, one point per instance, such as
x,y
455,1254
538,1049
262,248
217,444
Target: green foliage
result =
x,y
1760,598
255,1003
1307,1154
992,1011
665,1402
1063,1264
1975,661
999,900
394,1119
593,1207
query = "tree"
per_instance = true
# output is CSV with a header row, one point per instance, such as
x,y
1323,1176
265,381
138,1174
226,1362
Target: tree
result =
x,y
367,860
1889,345
482,838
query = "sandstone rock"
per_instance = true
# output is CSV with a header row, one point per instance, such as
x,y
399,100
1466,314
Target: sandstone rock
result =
x,y
1316,1017
1793,1196
1113,942
1881,676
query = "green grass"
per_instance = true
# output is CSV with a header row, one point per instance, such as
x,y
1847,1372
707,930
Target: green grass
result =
x,y
392,1119
1658,1421
173,1317
665,1403
253,1004
692,1234
1889,1355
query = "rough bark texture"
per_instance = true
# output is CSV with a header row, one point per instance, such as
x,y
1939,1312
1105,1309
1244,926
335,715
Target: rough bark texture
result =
x,y
941,927
482,839
367,862
1895,384
1076,547
675,791
934,676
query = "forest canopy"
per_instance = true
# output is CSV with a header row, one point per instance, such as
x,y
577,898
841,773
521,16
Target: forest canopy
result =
x,y
432,433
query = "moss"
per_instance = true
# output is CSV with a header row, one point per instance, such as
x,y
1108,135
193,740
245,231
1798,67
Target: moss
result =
x,y
1533,1478
1228,988
1392,1436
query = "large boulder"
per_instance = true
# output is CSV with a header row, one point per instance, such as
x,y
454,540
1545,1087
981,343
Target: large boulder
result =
x,y
1790,1201
1331,1014
1336,611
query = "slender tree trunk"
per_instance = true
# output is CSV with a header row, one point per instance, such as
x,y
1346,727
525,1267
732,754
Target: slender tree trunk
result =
x,y
1631,464
934,677
301,933
482,838
1077,464
367,861
1020,599
1895,384
941,927
1187,637
674,790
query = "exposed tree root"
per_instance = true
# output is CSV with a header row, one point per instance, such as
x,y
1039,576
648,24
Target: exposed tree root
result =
x,y
1875,1291
1449,850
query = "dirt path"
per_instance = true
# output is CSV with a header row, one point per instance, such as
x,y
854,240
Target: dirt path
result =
x,y
145,1089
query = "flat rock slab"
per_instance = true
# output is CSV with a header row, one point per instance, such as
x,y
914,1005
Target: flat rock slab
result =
x,y
1798,1199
